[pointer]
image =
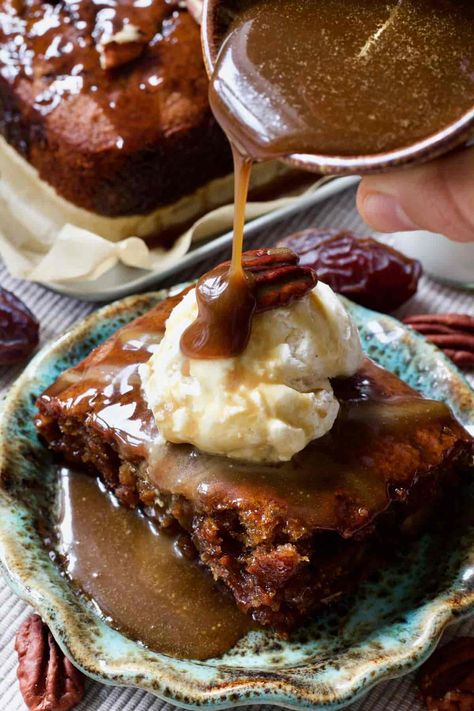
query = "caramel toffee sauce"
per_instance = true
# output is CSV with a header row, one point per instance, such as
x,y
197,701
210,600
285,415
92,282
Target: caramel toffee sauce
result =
x,y
138,577
226,300
334,77
343,77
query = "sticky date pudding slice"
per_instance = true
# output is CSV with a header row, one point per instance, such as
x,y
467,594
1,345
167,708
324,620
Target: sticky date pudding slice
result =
x,y
286,537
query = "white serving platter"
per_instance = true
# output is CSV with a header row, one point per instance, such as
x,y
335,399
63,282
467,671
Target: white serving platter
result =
x,y
122,280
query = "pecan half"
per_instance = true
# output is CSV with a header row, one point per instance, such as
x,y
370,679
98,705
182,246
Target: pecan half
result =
x,y
453,333
48,680
226,307
115,54
446,680
122,32
278,277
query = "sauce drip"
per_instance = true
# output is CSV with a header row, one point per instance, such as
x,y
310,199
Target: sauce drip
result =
x,y
225,298
343,77
118,559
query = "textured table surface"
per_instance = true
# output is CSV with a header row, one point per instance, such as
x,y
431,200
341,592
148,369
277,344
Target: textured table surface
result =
x,y
56,314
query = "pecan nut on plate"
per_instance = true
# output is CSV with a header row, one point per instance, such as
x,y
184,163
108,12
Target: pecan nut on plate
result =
x,y
446,680
48,680
18,329
453,333
363,269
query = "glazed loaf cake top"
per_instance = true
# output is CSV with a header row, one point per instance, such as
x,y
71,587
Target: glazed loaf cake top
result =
x,y
108,101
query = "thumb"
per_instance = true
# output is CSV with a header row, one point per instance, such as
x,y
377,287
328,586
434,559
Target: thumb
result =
x,y
436,196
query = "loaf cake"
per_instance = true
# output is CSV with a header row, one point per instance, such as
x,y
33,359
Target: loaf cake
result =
x,y
104,110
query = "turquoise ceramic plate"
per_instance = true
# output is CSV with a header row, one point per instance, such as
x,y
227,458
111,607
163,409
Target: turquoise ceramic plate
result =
x,y
387,628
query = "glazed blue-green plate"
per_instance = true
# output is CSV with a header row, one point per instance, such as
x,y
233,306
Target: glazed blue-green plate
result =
x,y
389,626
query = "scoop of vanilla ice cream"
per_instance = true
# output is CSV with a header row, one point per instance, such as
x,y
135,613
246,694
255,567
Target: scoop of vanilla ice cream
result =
x,y
269,402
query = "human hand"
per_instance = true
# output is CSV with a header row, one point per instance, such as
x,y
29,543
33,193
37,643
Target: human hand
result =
x,y
437,196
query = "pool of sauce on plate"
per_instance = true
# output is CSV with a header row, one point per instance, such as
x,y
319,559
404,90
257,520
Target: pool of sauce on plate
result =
x,y
332,77
138,577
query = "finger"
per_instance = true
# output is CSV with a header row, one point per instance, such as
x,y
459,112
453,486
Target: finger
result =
x,y
437,196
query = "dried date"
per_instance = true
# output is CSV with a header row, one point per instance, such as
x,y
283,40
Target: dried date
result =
x,y
48,680
19,329
363,269
195,9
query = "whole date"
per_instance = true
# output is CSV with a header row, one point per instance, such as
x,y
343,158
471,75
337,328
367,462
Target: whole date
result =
x,y
19,329
363,269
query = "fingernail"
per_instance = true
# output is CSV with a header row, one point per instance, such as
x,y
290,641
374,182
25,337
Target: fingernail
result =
x,y
384,213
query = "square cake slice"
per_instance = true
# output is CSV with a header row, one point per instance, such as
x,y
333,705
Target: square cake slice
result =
x,y
284,538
